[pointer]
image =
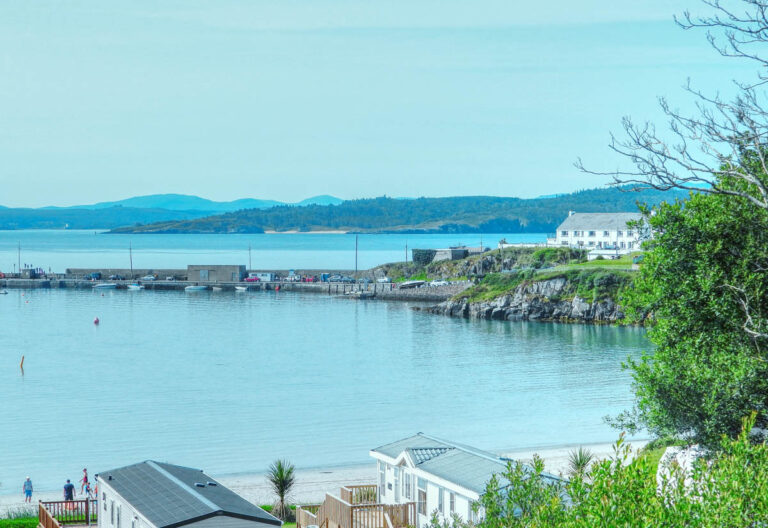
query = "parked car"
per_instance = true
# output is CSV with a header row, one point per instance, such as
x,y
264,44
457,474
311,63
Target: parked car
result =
x,y
438,283
347,279
251,278
364,280
148,278
95,276
116,277
310,278
383,279
335,278
170,278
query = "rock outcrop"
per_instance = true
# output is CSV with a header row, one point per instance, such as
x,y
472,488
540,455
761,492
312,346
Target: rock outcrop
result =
x,y
545,300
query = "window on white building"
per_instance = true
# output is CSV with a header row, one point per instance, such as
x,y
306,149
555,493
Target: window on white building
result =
x,y
382,480
630,245
591,242
422,498
471,512
564,243
629,233
563,233
452,502
104,500
605,233
407,485
440,500
112,512
591,233
118,517
620,233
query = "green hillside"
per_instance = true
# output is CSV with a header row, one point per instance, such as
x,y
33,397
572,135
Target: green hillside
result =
x,y
465,214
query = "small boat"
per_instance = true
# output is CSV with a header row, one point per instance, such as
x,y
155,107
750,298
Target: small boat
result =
x,y
135,287
241,288
196,288
3,292
105,286
217,288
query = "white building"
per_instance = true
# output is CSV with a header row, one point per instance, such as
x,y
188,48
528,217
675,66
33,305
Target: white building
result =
x,y
438,475
607,231
158,495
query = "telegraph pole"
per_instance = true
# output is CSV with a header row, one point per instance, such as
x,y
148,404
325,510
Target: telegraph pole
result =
x,y
406,252
249,258
356,257
19,259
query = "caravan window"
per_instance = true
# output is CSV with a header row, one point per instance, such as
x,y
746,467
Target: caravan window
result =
x,y
452,504
422,498
440,501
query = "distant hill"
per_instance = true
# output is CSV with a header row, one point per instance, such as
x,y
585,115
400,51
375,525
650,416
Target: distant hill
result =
x,y
21,218
137,210
185,202
464,214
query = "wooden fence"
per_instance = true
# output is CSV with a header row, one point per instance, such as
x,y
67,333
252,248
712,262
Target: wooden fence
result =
x,y
356,509
54,514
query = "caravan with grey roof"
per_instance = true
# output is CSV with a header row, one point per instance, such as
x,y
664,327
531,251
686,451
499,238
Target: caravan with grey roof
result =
x,y
158,495
440,476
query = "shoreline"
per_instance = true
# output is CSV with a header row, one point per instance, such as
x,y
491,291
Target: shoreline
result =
x,y
313,483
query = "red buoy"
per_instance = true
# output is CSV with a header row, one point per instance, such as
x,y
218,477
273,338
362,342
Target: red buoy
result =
x,y
96,321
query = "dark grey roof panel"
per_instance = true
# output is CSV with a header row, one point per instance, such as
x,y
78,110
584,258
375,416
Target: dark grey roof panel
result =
x,y
422,454
167,495
225,521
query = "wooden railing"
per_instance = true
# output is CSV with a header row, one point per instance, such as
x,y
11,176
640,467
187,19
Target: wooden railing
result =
x,y
54,514
363,494
306,515
356,509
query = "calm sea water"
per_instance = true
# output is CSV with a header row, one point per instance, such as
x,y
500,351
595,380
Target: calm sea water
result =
x,y
60,250
228,382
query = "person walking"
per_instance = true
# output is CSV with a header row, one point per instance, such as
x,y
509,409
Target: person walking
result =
x,y
27,490
84,480
69,491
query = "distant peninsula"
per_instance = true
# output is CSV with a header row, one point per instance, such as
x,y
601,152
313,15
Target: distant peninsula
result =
x,y
464,214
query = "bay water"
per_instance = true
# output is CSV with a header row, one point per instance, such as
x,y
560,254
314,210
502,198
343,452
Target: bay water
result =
x,y
230,381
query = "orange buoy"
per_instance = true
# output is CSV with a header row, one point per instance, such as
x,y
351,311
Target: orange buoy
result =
x,y
96,321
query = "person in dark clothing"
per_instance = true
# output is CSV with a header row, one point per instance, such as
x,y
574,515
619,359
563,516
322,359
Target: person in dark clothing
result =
x,y
69,491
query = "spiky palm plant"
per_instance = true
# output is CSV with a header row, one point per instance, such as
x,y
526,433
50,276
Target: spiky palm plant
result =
x,y
579,461
281,477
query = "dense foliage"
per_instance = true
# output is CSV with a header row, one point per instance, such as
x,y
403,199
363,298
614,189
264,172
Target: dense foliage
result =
x,y
466,214
730,489
705,282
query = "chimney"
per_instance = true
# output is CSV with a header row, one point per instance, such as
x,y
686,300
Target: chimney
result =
x,y
571,213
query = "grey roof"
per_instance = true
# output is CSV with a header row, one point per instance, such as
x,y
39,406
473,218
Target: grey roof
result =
x,y
168,496
596,221
466,466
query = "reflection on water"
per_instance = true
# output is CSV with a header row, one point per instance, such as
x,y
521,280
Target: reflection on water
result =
x,y
228,382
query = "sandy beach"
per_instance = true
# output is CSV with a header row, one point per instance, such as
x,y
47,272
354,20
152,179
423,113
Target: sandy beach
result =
x,y
312,484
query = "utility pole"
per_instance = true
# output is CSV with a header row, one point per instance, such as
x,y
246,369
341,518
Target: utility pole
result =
x,y
249,258
356,257
406,252
130,257
19,259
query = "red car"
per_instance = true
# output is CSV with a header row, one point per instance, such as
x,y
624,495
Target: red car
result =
x,y
251,279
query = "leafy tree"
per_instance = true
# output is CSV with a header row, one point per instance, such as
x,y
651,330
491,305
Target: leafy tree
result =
x,y
281,477
702,292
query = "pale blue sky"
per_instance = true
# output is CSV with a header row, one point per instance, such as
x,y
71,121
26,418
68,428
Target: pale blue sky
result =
x,y
285,99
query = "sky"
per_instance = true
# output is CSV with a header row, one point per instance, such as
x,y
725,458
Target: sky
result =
x,y
285,99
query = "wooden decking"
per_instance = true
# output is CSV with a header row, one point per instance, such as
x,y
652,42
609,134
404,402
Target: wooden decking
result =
x,y
55,514
356,507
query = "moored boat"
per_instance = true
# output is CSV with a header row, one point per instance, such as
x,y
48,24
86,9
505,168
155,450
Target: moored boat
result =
x,y
196,288
105,286
135,287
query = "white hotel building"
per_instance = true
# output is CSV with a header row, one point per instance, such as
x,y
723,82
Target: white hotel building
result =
x,y
606,231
